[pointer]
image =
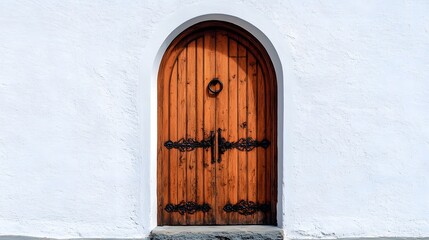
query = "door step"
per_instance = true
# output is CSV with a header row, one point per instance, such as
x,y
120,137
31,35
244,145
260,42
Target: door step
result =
x,y
258,232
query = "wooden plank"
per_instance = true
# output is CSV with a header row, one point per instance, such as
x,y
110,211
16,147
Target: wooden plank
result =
x,y
269,151
191,127
166,71
222,124
199,90
209,125
173,154
160,156
232,129
242,126
163,156
261,153
251,131
181,131
271,123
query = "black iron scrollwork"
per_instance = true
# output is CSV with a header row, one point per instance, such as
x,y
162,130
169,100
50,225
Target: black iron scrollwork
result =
x,y
186,145
187,207
243,144
246,207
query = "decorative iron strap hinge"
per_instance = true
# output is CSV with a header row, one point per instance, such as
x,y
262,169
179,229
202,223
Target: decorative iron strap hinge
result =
x,y
246,207
187,207
190,144
243,144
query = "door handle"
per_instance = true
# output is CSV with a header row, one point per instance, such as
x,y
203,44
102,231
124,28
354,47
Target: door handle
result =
x,y
223,145
212,84
212,143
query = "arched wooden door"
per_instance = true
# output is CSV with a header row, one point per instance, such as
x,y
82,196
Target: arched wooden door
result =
x,y
217,148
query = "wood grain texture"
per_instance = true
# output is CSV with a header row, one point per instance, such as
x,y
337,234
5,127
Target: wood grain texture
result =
x,y
200,157
243,174
246,108
222,117
191,124
233,125
209,125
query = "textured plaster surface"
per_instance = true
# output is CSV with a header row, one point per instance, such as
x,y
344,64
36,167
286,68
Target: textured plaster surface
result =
x,y
77,117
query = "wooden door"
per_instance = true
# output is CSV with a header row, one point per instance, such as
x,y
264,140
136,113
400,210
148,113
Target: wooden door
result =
x,y
217,149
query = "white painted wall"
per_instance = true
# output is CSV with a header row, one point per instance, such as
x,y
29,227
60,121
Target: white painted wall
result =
x,y
78,123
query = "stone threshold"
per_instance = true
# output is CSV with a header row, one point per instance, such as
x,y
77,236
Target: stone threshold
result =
x,y
218,237
236,232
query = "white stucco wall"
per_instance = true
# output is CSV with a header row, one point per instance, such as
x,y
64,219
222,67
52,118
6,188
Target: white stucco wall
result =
x,y
78,123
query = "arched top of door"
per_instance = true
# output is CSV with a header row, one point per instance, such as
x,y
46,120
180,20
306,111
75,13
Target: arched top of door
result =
x,y
237,33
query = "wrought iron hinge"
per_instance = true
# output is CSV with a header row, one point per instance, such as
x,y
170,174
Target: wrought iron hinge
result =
x,y
243,144
246,207
189,144
187,207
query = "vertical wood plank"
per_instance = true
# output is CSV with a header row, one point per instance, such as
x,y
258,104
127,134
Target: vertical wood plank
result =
x,y
242,125
232,129
161,183
261,153
191,122
251,130
222,123
271,177
164,157
269,151
172,135
209,125
182,112
160,156
199,91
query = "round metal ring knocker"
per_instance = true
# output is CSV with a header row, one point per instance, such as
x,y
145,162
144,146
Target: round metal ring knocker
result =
x,y
213,83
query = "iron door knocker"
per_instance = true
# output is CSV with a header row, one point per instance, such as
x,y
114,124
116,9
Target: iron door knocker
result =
x,y
213,83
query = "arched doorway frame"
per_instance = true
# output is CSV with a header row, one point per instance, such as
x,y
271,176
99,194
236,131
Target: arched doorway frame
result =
x,y
260,27
265,162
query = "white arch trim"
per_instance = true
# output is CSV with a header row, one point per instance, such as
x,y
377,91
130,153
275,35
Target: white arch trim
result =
x,y
259,26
